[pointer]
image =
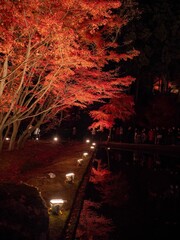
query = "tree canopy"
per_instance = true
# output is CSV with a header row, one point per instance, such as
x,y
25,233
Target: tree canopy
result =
x,y
52,57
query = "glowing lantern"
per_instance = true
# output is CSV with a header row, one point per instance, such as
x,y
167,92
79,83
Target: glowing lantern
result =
x,y
79,161
56,139
52,175
58,201
56,205
70,177
85,154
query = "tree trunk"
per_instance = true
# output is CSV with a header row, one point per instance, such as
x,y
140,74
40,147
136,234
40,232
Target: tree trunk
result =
x,y
27,133
164,85
4,133
1,141
13,136
23,138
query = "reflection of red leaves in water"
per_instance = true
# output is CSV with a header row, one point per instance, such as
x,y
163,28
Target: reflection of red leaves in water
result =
x,y
114,189
91,224
98,175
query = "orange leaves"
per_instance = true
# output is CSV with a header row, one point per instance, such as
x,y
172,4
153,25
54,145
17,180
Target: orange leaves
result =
x,y
123,56
123,81
98,115
102,120
121,107
97,176
57,54
5,102
129,55
92,225
102,124
99,7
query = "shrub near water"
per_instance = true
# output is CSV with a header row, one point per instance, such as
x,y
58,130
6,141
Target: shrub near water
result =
x,y
24,214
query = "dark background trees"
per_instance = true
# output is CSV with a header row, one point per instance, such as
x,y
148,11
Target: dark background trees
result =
x,y
156,35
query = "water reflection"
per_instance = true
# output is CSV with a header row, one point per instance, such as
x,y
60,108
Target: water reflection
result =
x,y
154,204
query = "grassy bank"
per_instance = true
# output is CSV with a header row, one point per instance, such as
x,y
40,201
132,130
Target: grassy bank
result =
x,y
36,161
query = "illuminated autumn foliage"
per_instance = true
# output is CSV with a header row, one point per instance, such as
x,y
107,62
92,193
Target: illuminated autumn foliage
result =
x,y
108,185
52,57
120,107
93,225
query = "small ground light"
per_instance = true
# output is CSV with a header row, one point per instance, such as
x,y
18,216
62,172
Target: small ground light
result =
x,y
94,144
51,175
57,201
56,205
55,139
87,140
37,139
79,161
85,154
70,177
92,147
7,138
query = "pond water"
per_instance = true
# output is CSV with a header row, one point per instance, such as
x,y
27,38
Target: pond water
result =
x,y
152,210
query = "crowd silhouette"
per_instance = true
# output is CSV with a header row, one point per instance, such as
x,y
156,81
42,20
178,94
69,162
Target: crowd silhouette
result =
x,y
157,135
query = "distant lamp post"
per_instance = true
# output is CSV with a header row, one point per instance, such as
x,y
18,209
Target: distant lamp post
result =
x,y
70,177
56,205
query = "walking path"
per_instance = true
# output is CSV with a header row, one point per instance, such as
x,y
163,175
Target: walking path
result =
x,y
71,225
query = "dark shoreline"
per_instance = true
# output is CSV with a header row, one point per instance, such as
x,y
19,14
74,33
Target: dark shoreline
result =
x,y
171,149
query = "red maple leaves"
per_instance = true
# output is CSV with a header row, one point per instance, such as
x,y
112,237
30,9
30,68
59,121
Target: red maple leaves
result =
x,y
52,56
